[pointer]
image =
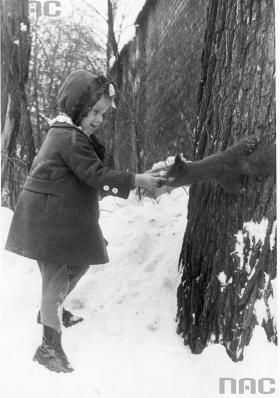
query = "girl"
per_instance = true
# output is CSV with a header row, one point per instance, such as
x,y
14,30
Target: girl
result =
x,y
56,218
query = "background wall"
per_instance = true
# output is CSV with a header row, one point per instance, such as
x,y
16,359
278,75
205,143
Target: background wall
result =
x,y
160,79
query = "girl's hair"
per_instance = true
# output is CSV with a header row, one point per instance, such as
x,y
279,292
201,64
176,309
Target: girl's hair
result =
x,y
80,91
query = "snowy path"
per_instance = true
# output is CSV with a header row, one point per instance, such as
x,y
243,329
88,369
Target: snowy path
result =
x,y
127,347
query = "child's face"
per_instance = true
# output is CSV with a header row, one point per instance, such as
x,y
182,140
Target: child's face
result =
x,y
95,116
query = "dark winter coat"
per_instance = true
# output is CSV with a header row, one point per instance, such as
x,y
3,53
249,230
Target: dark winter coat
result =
x,y
56,217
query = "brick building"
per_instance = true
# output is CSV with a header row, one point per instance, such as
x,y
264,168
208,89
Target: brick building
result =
x,y
160,79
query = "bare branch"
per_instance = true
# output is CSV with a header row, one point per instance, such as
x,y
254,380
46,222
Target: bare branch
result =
x,y
95,10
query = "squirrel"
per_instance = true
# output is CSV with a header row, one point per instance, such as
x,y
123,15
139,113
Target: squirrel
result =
x,y
248,157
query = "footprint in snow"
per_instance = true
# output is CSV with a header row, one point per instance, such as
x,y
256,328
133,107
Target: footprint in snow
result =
x,y
77,304
153,326
150,267
167,283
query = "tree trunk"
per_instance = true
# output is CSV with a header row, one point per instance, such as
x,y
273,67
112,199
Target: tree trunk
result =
x,y
228,256
17,142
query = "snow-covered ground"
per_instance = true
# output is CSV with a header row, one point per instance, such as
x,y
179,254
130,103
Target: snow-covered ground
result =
x,y
127,347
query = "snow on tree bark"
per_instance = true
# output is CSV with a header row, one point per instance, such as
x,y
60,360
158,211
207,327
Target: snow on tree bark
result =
x,y
17,141
228,256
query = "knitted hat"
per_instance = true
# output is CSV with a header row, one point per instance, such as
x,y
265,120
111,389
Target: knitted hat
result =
x,y
80,91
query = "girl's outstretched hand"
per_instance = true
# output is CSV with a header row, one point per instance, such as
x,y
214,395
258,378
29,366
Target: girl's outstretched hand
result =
x,y
150,180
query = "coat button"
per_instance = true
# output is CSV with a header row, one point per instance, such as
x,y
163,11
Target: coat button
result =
x,y
106,187
115,191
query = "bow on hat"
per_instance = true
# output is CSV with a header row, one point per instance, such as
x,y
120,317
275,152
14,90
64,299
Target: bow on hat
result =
x,y
107,87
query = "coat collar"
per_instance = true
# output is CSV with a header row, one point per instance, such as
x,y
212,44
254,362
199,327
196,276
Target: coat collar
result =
x,y
64,125
61,118
65,119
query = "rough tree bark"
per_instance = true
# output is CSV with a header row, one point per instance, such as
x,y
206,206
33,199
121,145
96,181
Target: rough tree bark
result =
x,y
228,256
17,142
112,49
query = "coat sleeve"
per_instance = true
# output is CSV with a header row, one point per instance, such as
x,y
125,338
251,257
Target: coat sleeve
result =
x,y
79,155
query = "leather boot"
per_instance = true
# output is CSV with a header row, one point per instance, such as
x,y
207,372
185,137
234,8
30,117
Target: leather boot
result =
x,y
50,353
